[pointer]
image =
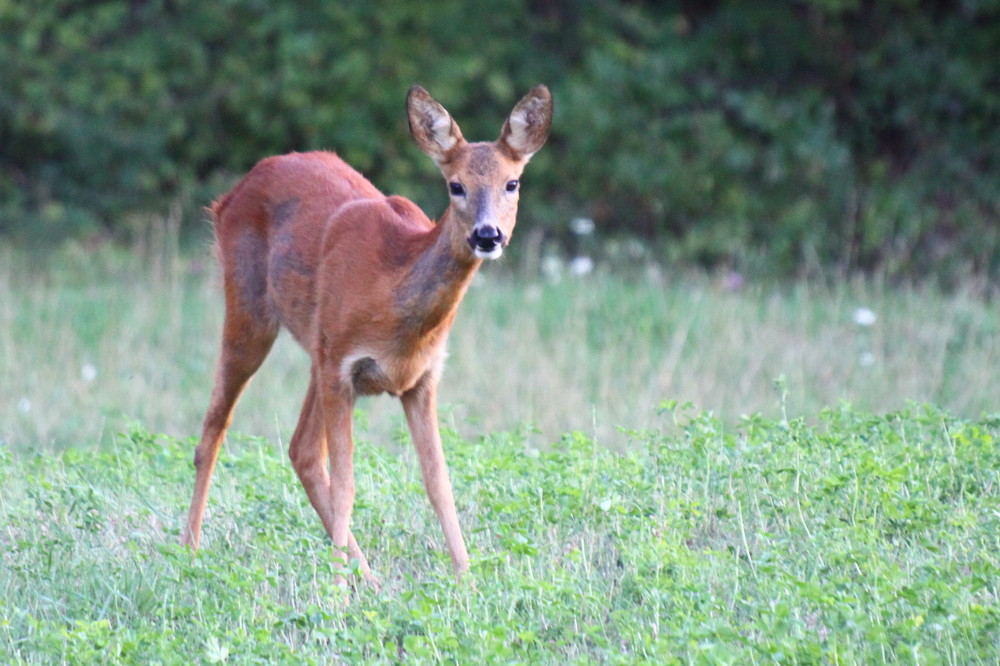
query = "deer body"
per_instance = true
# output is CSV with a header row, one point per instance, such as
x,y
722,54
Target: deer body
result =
x,y
369,286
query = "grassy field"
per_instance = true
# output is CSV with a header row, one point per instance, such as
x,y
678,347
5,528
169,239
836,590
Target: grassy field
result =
x,y
767,521
95,341
859,540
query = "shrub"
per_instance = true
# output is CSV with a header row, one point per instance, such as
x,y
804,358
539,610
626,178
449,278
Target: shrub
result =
x,y
858,135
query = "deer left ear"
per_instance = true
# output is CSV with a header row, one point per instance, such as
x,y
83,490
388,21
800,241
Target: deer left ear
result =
x,y
528,125
431,126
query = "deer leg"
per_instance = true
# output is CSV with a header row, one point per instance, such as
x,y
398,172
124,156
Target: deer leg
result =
x,y
338,405
245,346
420,406
308,451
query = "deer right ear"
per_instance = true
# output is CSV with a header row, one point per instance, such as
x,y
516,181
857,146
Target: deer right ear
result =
x,y
431,126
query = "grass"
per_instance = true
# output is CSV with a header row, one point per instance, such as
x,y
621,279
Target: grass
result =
x,y
829,516
96,340
860,539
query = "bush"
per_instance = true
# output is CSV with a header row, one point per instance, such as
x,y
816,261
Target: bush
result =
x,y
858,135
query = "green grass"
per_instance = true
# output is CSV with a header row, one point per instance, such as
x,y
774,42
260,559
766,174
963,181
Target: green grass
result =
x,y
860,539
92,340
831,516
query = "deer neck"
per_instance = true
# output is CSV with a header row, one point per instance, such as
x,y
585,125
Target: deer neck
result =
x,y
436,282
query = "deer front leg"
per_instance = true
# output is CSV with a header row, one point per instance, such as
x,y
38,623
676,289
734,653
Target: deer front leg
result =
x,y
338,404
420,406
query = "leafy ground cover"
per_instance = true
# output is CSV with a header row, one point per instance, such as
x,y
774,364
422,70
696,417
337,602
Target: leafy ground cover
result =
x,y
848,538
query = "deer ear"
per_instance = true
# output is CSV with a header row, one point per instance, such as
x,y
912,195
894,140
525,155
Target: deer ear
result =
x,y
528,125
431,126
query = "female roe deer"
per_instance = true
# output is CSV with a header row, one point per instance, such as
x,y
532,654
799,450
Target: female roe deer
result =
x,y
369,286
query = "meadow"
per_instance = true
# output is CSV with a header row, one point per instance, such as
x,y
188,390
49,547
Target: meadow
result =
x,y
93,340
860,540
648,468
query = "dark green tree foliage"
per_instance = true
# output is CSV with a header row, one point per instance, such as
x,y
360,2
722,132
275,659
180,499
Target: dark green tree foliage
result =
x,y
852,134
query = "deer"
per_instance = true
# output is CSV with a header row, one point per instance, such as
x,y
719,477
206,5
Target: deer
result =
x,y
369,286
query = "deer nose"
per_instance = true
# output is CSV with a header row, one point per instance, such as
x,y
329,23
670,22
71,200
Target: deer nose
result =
x,y
486,232
487,241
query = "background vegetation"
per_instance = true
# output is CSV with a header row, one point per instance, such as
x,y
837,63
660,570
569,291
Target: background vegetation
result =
x,y
774,136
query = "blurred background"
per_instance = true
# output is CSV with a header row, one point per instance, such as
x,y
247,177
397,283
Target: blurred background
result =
x,y
773,137
767,207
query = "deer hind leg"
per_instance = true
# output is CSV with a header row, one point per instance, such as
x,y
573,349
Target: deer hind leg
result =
x,y
308,452
247,339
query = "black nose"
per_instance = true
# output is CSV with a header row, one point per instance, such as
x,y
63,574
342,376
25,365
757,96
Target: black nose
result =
x,y
486,233
486,238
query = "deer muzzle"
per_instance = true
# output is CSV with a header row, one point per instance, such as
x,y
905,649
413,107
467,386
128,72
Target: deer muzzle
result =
x,y
487,241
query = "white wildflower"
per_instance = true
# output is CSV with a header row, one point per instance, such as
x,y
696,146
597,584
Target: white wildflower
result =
x,y
581,226
552,268
581,266
864,317
88,373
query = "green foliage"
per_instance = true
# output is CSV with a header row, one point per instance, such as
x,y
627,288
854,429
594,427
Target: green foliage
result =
x,y
115,108
777,134
859,539
861,136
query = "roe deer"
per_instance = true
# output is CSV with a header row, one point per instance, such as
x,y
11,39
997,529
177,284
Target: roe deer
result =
x,y
369,286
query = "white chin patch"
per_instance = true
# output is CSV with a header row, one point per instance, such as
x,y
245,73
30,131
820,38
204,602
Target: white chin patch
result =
x,y
492,254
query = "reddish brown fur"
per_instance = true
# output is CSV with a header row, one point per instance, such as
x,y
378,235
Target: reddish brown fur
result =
x,y
369,286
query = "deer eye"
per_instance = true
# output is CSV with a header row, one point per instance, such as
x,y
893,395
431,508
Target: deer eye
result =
x,y
456,189
512,185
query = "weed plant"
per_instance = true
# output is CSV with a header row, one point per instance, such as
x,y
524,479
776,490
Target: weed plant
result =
x,y
858,539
